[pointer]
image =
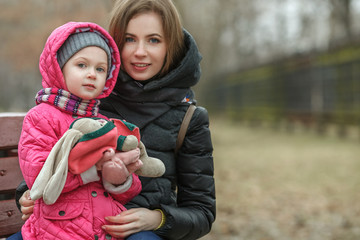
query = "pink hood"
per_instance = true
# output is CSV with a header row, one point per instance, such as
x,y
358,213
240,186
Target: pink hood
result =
x,y
49,67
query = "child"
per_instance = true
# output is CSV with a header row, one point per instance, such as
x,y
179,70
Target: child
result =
x,y
79,66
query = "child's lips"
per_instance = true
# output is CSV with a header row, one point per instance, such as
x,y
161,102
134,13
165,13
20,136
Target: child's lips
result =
x,y
91,86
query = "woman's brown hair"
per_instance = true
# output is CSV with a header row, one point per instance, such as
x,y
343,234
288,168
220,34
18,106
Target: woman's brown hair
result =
x,y
124,10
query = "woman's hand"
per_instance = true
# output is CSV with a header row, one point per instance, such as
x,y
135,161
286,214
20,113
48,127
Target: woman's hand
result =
x,y
132,221
27,205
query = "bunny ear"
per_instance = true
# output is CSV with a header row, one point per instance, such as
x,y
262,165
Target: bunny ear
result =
x,y
57,181
54,171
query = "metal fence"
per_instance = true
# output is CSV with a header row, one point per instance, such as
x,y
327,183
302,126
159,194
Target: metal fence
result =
x,y
316,89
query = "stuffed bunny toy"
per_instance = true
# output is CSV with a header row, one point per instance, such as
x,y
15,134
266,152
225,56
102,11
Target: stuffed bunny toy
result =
x,y
86,142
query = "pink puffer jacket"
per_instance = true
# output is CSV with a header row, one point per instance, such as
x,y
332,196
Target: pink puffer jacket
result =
x,y
80,210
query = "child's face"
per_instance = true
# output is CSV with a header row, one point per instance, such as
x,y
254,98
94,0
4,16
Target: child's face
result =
x,y
85,72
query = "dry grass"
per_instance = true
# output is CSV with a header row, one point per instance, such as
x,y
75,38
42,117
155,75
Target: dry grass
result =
x,y
275,185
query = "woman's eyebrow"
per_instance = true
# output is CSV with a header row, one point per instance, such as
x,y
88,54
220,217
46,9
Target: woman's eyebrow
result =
x,y
148,35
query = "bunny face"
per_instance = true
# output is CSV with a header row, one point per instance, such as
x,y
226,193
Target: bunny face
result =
x,y
88,125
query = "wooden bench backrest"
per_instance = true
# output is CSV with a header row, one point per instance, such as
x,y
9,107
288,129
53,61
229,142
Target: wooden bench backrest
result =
x,y
10,174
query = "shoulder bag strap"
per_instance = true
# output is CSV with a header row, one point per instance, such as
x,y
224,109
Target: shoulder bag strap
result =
x,y
184,126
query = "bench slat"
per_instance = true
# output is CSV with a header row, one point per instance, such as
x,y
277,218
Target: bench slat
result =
x,y
10,129
10,174
10,218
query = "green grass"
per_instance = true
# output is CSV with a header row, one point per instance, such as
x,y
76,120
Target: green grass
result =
x,y
275,185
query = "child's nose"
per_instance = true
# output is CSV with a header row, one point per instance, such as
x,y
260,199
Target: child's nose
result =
x,y
91,73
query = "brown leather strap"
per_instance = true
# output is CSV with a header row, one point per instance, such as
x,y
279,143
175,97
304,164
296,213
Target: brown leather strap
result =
x,y
184,126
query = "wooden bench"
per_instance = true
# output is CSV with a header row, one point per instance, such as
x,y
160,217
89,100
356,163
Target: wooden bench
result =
x,y
10,174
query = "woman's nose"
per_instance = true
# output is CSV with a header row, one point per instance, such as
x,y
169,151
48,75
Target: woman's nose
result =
x,y
140,50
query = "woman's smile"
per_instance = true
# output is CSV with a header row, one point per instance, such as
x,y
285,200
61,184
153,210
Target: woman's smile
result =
x,y
141,66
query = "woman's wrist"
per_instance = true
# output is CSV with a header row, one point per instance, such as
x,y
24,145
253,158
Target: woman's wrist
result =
x,y
163,219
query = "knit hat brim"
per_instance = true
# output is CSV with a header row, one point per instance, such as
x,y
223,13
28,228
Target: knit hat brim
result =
x,y
78,41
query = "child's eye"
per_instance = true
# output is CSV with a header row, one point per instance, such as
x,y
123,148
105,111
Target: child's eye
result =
x,y
100,69
81,65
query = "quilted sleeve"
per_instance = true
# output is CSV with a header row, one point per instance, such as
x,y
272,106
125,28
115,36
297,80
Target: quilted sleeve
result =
x,y
39,135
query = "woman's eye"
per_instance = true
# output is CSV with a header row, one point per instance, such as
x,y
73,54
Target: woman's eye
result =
x,y
154,40
129,39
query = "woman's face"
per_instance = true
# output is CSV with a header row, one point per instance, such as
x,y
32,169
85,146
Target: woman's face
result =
x,y
144,51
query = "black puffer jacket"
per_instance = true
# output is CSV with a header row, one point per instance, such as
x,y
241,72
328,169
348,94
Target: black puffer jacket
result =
x,y
186,192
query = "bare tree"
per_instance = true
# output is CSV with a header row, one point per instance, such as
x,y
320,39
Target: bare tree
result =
x,y
223,31
340,21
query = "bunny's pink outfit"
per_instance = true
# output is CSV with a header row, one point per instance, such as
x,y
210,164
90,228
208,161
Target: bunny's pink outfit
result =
x,y
80,210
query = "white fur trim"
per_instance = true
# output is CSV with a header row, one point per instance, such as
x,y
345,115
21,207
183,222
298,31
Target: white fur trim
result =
x,y
120,188
90,175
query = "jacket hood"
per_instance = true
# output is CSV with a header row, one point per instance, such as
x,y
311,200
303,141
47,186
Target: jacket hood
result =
x,y
141,104
52,76
186,74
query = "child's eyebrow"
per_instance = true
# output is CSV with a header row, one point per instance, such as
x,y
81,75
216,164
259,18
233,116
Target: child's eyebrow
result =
x,y
79,58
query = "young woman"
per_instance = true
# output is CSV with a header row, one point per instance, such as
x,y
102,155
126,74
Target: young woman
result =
x,y
160,64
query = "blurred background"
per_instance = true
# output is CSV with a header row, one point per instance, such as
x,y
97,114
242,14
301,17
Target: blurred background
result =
x,y
280,79
278,60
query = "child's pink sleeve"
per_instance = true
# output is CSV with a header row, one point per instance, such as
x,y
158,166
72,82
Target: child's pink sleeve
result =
x,y
133,191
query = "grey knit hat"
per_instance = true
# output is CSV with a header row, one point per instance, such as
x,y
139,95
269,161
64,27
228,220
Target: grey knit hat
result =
x,y
78,41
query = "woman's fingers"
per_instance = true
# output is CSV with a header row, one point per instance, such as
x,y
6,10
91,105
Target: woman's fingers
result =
x,y
27,205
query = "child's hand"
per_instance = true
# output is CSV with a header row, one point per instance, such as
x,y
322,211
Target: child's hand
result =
x,y
132,167
117,166
107,156
131,159
120,166
115,171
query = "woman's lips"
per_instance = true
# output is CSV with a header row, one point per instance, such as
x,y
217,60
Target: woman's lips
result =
x,y
140,66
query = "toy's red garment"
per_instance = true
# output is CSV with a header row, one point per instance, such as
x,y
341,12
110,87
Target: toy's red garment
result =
x,y
91,146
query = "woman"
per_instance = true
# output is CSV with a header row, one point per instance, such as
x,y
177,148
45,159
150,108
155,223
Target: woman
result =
x,y
160,63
